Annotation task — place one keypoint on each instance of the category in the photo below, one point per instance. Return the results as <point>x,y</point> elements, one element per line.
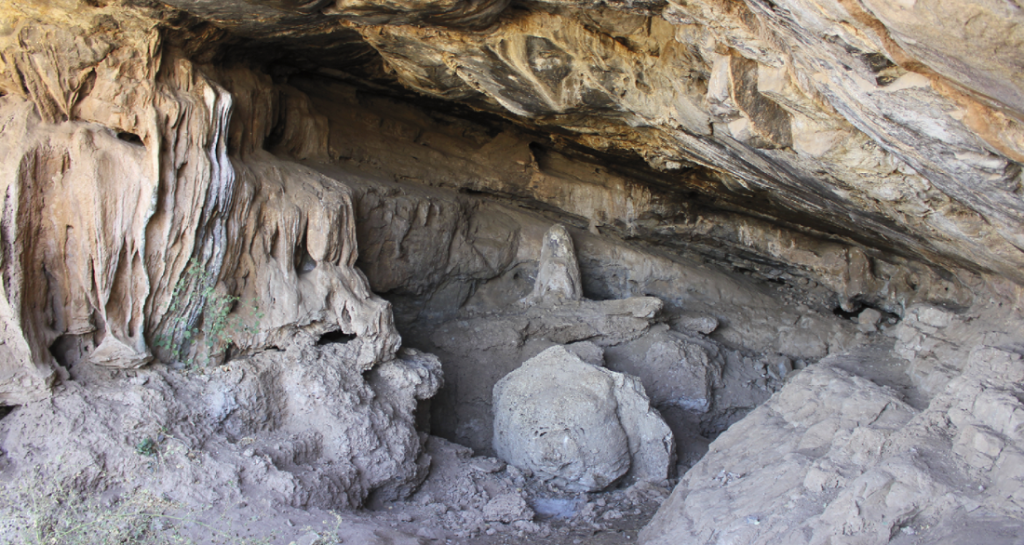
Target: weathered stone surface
<point>835,457</point>
<point>273,425</point>
<point>701,91</point>
<point>579,424</point>
<point>715,81</point>
<point>729,101</point>
<point>119,180</point>
<point>682,373</point>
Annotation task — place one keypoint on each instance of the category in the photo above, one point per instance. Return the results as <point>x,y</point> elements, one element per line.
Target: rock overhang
<point>820,118</point>
<point>797,143</point>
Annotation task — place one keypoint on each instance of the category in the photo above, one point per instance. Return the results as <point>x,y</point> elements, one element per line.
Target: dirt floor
<point>464,501</point>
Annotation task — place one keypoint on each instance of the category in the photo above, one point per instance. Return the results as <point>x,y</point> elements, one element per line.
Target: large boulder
<point>578,424</point>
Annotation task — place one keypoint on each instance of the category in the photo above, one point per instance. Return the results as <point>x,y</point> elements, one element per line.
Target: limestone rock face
<point>823,107</point>
<point>579,424</point>
<point>127,216</point>
<point>177,188</point>
<point>836,457</point>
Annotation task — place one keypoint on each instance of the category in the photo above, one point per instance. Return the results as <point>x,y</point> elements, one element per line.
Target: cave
<point>496,271</point>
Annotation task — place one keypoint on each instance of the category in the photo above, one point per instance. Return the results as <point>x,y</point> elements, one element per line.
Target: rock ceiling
<point>897,126</point>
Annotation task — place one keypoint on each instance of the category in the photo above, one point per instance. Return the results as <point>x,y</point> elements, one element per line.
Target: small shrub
<point>213,320</point>
<point>146,447</point>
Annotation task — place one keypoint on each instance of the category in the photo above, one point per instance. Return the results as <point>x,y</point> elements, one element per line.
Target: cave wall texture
<point>867,150</point>
<point>754,164</point>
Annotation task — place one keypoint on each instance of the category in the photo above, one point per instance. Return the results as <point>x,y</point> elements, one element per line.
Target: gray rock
<point>588,352</point>
<point>867,320</point>
<point>558,275</point>
<point>507,508</point>
<point>700,324</point>
<point>310,538</point>
<point>582,426</point>
<point>680,374</point>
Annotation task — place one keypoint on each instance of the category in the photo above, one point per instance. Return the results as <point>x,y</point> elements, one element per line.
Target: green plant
<point>197,290</point>
<point>146,447</point>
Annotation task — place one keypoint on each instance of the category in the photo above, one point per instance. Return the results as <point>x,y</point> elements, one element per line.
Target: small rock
<point>486,464</point>
<point>311,538</point>
<point>700,324</point>
<point>427,532</point>
<point>612,514</point>
<point>588,352</point>
<point>507,508</point>
<point>782,365</point>
<point>867,320</point>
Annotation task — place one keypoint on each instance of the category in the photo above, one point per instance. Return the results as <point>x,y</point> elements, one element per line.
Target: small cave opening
<point>335,337</point>
<point>129,137</point>
<point>304,263</point>
<point>69,349</point>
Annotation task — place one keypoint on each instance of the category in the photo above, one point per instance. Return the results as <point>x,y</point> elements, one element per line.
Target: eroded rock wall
<point>755,165</point>
<point>120,185</point>
<point>142,222</point>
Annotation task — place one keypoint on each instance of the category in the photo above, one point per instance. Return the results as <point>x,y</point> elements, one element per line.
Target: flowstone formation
<point>242,241</point>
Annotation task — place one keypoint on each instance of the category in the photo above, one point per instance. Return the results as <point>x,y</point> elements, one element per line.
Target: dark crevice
<point>68,349</point>
<point>335,337</point>
<point>129,137</point>
<point>877,62</point>
<point>849,315</point>
<point>304,262</point>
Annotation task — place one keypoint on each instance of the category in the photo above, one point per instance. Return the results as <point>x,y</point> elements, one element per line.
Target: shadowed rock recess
<point>495,271</point>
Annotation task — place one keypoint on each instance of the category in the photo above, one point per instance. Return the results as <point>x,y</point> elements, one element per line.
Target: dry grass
<point>38,511</point>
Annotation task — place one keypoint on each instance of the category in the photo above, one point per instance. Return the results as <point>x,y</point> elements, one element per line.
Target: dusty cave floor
<point>451,508</point>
